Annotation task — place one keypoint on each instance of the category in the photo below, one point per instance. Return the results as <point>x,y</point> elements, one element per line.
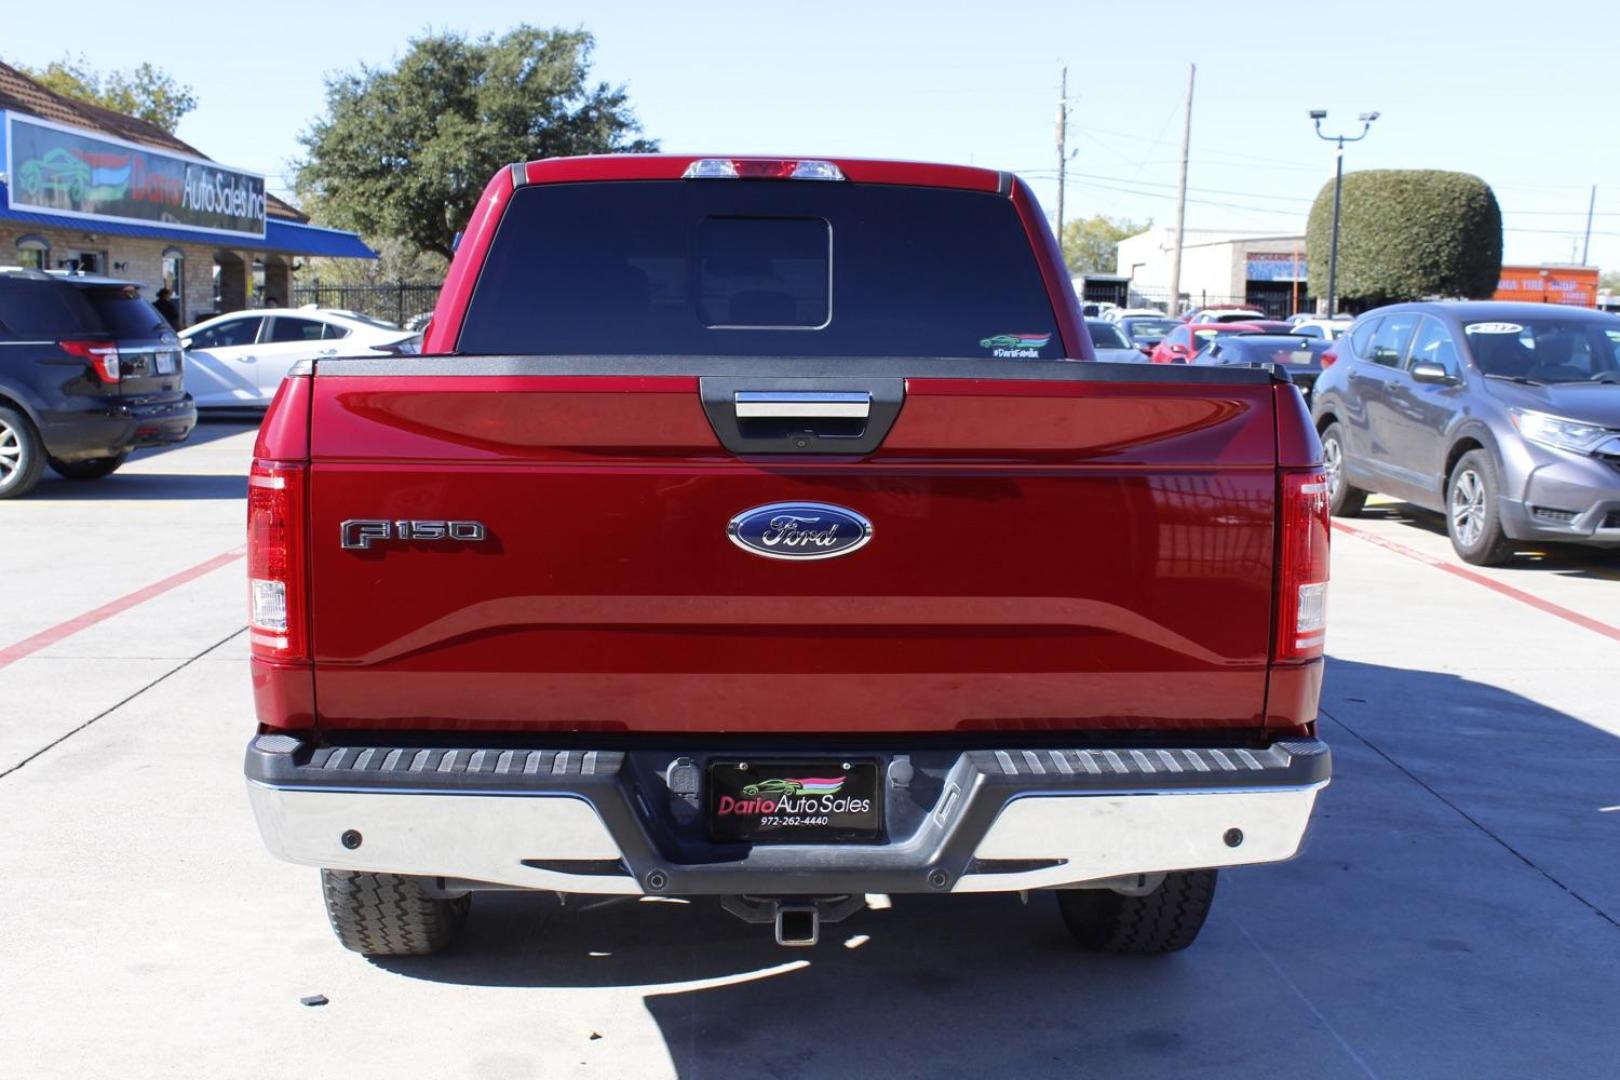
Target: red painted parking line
<point>1584,621</point>
<point>51,635</point>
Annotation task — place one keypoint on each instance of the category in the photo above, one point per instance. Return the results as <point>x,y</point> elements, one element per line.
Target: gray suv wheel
<point>1343,500</point>
<point>1473,511</point>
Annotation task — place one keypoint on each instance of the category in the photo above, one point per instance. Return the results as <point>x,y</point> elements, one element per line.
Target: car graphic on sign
<point>58,170</point>
<point>809,785</point>
<point>1015,341</point>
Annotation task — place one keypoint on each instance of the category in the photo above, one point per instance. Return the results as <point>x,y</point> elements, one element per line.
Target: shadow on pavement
<point>121,487</point>
<point>208,429</point>
<point>1565,560</point>
<point>1449,879</point>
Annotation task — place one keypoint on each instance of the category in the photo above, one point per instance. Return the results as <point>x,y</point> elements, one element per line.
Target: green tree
<point>146,92</point>
<point>1609,282</point>
<point>406,151</point>
<point>397,260</point>
<point>1405,234</point>
<point>1089,243</point>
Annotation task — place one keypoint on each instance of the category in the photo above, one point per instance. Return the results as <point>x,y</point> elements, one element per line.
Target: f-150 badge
<point>795,530</point>
<point>358,534</point>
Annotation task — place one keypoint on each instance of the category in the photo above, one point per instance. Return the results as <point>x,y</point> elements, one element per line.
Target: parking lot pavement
<point>1454,913</point>
<point>110,585</point>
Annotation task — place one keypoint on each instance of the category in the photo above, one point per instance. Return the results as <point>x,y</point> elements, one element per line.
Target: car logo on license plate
<point>799,530</point>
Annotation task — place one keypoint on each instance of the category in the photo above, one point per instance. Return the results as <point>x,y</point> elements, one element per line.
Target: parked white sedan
<point>238,360</point>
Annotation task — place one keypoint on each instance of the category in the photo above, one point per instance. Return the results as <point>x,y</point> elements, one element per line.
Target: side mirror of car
<point>1428,372</point>
<point>185,343</point>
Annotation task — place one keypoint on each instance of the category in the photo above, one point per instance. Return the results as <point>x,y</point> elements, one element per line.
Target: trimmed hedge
<point>1405,234</point>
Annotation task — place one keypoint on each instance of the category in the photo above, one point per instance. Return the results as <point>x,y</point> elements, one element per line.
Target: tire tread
<point>388,914</point>
<point>1166,920</point>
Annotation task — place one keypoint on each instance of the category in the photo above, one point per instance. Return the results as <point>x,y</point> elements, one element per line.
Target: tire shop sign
<point>55,169</point>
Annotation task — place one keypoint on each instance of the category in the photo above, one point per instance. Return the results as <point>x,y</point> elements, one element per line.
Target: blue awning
<point>296,239</point>
<point>286,237</point>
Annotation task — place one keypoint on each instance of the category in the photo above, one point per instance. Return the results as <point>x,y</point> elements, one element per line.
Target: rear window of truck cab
<point>746,267</point>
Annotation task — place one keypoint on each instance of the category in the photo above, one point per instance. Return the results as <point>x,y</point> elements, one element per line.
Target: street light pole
<point>1318,115</point>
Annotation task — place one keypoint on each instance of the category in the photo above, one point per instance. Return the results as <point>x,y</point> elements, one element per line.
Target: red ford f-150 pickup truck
<point>763,530</point>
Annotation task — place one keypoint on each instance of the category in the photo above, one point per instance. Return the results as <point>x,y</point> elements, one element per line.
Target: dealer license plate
<point>794,802</point>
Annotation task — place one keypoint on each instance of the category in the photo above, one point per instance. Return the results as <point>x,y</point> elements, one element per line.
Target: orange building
<point>1574,285</point>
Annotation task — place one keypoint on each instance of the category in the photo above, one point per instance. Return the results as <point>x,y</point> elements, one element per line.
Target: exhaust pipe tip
<point>798,925</point>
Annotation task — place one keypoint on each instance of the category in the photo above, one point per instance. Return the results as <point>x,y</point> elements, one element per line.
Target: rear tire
<point>1343,500</point>
<point>90,468</point>
<point>389,915</point>
<point>1166,920</point>
<point>22,454</point>
<point>1474,511</point>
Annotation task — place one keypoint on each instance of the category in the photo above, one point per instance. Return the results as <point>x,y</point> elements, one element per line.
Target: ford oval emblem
<point>799,530</point>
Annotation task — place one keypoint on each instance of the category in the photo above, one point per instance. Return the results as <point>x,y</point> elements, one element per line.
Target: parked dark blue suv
<point>88,372</point>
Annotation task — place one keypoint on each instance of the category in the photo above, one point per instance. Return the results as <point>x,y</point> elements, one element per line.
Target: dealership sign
<point>1275,266</point>
<point>54,169</point>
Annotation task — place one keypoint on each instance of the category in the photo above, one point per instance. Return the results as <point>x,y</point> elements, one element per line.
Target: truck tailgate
<point>1050,549</point>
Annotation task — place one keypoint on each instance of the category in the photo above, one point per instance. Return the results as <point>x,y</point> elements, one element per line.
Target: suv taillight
<point>102,356</point>
<point>275,560</point>
<point>1302,571</point>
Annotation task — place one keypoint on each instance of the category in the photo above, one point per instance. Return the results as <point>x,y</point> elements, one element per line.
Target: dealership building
<point>1266,271</point>
<point>84,188</point>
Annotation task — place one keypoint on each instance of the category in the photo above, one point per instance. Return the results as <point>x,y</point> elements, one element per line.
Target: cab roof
<point>674,166</point>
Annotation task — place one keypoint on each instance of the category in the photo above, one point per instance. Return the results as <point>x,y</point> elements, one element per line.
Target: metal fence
<point>397,301</point>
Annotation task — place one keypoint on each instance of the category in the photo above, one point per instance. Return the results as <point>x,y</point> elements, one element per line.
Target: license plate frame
<point>794,800</point>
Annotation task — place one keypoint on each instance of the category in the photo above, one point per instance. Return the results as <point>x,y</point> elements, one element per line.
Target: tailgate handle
<point>840,412</point>
<point>808,404</point>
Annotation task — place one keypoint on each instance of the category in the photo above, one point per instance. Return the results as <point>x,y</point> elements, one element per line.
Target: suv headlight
<point>1577,435</point>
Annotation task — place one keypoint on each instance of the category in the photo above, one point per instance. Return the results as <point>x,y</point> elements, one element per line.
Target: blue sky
<point>1520,94</point>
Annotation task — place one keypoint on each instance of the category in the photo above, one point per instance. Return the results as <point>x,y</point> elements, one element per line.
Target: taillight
<point>1328,358</point>
<point>1302,572</point>
<point>761,169</point>
<point>276,610</point>
<point>102,357</point>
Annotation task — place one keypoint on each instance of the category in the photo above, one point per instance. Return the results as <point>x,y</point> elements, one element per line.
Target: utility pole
<point>1174,306</point>
<point>1062,145</point>
<point>1586,248</point>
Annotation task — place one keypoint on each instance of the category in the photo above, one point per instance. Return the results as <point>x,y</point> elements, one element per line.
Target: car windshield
<point>1547,350</point>
<point>1107,336</point>
<point>1272,349</point>
<point>1146,328</point>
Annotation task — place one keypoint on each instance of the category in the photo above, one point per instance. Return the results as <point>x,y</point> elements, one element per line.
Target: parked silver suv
<point>1504,417</point>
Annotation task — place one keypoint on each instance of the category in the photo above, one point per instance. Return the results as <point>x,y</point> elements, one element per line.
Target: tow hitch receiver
<point>797,919</point>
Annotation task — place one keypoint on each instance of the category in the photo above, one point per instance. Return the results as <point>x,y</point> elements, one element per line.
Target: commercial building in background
<point>1266,271</point>
<point>88,189</point>
<point>1576,286</point>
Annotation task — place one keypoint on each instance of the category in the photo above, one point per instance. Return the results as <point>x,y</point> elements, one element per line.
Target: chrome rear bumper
<point>603,821</point>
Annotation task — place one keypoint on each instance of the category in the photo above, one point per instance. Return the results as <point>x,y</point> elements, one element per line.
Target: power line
<point>1134,187</point>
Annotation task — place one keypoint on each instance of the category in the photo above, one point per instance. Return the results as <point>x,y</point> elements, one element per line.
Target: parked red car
<point>1183,343</point>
